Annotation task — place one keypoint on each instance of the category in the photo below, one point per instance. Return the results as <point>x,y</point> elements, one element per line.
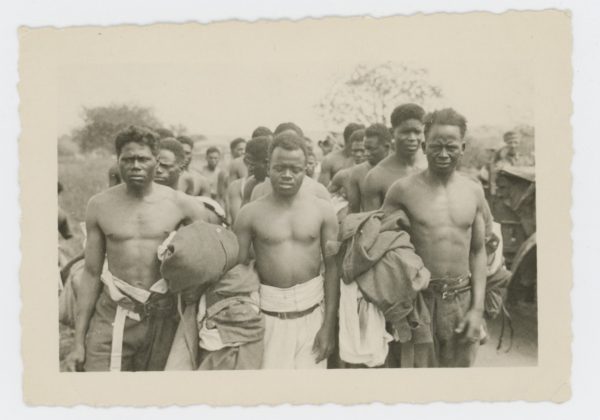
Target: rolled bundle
<point>198,255</point>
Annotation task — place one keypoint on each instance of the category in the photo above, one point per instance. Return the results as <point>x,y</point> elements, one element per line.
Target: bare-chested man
<point>340,181</point>
<point>126,318</point>
<point>291,232</point>
<point>377,147</point>
<point>236,169</point>
<point>211,170</point>
<point>338,159</point>
<point>447,228</point>
<point>170,161</point>
<point>407,124</point>
<point>191,182</point>
<point>255,159</point>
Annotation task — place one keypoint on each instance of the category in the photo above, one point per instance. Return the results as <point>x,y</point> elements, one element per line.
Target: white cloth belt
<point>116,289</point>
<point>292,299</point>
<point>363,337</point>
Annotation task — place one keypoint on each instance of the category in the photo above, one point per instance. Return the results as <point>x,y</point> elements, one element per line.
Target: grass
<point>81,178</point>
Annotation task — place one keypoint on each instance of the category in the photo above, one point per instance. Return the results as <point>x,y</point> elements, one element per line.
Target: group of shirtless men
<point>285,222</point>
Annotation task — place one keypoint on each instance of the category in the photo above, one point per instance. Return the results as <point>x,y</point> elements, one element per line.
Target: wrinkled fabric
<point>387,271</point>
<point>289,342</point>
<point>363,338</point>
<point>292,299</point>
<point>242,357</point>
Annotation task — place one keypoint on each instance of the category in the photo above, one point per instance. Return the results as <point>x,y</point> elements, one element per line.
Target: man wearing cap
<point>291,233</point>
<point>125,313</point>
<point>509,154</point>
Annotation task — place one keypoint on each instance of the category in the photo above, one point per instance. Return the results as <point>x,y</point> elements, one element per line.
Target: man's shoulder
<point>361,170</point>
<point>468,182</point>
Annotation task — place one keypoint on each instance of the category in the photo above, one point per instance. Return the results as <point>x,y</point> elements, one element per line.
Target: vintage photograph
<point>279,214</point>
<point>337,201</point>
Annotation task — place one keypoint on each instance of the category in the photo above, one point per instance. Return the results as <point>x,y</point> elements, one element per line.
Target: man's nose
<point>136,164</point>
<point>443,153</point>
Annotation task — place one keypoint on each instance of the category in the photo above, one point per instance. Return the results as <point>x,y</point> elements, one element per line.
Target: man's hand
<point>470,326</point>
<point>324,343</point>
<point>75,359</point>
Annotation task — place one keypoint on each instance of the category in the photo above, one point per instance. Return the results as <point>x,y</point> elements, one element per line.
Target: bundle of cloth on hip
<point>381,280</point>
<point>221,326</point>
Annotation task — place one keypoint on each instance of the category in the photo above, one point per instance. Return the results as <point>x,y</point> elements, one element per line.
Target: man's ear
<point>424,146</point>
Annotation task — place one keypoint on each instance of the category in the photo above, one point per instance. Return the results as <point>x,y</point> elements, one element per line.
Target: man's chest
<point>143,222</point>
<point>300,225</point>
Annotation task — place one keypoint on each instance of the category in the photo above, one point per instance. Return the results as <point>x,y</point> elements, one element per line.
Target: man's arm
<point>222,183</point>
<point>325,340</point>
<point>91,286</point>
<point>353,192</point>
<point>393,199</point>
<point>325,175</point>
<point>471,324</point>
<point>234,200</point>
<point>371,199</point>
<point>337,183</point>
<point>243,231</point>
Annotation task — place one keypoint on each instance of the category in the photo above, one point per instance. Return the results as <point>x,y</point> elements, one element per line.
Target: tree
<point>101,125</point>
<point>371,93</point>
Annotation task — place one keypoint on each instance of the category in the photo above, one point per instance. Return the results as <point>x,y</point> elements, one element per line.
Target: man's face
<point>444,147</point>
<point>238,150</point>
<point>256,167</point>
<point>187,153</point>
<point>311,163</point>
<point>358,151</point>
<point>212,160</point>
<point>167,170</point>
<point>137,165</point>
<point>375,151</point>
<point>286,171</point>
<point>512,144</point>
<point>408,136</point>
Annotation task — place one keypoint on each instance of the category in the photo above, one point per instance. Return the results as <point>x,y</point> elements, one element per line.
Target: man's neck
<point>440,178</point>
<point>139,192</point>
<point>405,159</point>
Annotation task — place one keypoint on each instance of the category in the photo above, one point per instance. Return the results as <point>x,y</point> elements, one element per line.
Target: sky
<point>224,80</point>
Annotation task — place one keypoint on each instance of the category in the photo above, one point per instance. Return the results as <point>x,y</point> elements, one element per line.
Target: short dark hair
<point>234,143</point>
<point>406,112</point>
<point>258,147</point>
<point>137,134</point>
<point>358,135</point>
<point>284,126</point>
<point>174,146</point>
<point>351,128</point>
<point>510,134</point>
<point>212,149</point>
<point>383,134</point>
<point>261,131</point>
<point>186,140</point>
<point>288,141</point>
<point>446,116</point>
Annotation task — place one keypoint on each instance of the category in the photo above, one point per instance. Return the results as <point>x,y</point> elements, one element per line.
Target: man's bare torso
<point>441,218</point>
<point>133,229</point>
<point>287,239</point>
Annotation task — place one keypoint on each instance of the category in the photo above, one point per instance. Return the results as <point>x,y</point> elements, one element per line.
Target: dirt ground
<point>524,350</point>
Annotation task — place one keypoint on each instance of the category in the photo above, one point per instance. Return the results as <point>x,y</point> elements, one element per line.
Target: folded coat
<point>379,257</point>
